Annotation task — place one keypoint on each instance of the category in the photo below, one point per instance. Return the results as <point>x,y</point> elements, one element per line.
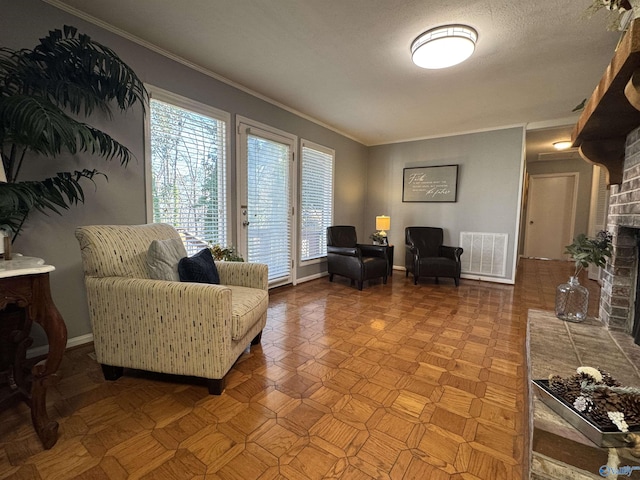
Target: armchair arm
<point>151,324</point>
<point>412,249</point>
<point>453,253</point>
<point>348,251</point>
<point>373,250</point>
<point>244,274</point>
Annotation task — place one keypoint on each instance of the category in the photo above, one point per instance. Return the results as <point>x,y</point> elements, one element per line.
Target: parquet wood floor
<point>395,381</point>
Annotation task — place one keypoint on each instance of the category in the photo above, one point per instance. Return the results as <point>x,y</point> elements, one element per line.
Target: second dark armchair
<point>346,257</point>
<point>427,257</point>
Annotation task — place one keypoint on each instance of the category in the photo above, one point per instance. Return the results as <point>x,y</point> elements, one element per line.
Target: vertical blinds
<point>316,202</point>
<point>188,174</point>
<point>268,190</point>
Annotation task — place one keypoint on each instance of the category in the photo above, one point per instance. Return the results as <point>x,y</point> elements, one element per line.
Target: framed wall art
<point>430,184</point>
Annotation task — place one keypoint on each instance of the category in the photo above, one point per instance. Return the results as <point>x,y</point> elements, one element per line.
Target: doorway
<point>551,212</point>
<point>265,198</point>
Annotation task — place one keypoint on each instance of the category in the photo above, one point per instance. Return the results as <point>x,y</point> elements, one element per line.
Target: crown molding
<point>165,53</point>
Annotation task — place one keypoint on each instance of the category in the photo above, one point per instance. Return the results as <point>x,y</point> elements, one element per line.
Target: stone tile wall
<point>619,277</point>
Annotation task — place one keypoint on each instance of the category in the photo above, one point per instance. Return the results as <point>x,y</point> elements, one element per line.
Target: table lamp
<point>383,223</point>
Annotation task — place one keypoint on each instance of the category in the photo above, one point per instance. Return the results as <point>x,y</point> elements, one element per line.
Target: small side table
<point>25,297</point>
<point>390,259</point>
<point>389,249</point>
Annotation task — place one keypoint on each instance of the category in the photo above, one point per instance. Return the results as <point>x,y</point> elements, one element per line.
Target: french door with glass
<point>265,198</point>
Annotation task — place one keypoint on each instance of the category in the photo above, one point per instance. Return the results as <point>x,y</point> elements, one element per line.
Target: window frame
<point>327,151</point>
<point>156,93</point>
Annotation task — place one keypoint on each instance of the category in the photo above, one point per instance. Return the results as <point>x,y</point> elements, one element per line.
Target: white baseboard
<point>487,279</point>
<point>472,277</point>
<point>311,277</point>
<point>88,338</point>
<point>325,274</point>
<point>72,342</point>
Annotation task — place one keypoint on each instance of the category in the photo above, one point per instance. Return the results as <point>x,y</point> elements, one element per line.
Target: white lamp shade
<point>444,46</point>
<point>383,222</point>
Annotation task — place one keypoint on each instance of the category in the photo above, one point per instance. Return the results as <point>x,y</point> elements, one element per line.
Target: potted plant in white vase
<point>572,299</point>
<point>621,12</point>
<point>379,238</point>
<point>46,94</point>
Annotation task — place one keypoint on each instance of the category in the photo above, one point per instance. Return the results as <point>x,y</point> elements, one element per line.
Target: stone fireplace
<point>608,134</point>
<point>619,279</point>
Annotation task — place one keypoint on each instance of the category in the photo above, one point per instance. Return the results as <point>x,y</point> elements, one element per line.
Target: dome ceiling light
<point>444,46</point>
<point>562,145</point>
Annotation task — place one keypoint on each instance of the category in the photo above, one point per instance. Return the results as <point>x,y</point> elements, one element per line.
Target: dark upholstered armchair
<point>427,257</point>
<point>350,259</point>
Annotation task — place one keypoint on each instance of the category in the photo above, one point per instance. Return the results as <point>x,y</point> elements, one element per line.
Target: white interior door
<point>265,176</point>
<point>551,211</point>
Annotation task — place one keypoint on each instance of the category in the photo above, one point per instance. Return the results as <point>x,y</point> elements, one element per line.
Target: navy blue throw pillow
<point>200,268</point>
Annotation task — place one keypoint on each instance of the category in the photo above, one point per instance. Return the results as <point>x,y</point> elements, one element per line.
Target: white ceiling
<point>346,63</point>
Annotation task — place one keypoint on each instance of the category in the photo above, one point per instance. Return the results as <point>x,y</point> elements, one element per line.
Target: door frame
<point>278,135</point>
<point>574,204</point>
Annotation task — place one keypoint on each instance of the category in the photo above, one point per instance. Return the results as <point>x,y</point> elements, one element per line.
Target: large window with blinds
<point>316,200</point>
<point>188,162</point>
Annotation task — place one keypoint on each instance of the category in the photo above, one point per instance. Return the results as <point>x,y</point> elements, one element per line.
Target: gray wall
<point>368,181</point>
<point>121,200</point>
<point>489,172</point>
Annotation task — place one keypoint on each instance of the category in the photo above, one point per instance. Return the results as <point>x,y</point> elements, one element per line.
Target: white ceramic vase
<point>635,8</point>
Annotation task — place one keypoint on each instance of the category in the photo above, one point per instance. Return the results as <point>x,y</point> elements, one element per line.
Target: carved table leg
<point>44,372</point>
<point>31,295</point>
<point>46,429</point>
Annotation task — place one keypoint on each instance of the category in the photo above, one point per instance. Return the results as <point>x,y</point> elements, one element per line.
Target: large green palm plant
<point>45,93</point>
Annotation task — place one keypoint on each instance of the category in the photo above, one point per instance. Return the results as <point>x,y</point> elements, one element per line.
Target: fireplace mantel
<point>613,109</point>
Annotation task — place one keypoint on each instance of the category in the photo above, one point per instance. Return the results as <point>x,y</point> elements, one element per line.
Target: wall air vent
<point>484,253</point>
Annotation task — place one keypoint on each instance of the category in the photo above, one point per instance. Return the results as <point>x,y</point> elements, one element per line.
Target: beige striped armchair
<point>181,328</point>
